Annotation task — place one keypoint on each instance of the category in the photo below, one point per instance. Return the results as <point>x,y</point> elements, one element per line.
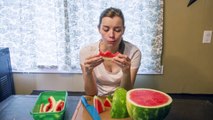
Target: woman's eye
<point>117,30</point>
<point>106,29</point>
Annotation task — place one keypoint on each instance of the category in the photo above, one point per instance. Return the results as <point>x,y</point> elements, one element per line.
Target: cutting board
<point>82,114</point>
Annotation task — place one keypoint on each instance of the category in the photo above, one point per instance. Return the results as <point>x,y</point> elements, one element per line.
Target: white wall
<point>25,83</point>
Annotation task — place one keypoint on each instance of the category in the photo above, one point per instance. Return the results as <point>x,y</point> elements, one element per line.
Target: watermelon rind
<point>140,112</point>
<point>110,97</point>
<point>119,109</point>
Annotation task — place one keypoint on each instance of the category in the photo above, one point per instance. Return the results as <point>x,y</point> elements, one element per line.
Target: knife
<point>91,109</point>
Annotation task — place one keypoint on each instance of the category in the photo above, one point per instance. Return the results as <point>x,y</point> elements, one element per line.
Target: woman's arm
<point>129,79</point>
<point>129,74</point>
<point>90,63</point>
<point>89,82</point>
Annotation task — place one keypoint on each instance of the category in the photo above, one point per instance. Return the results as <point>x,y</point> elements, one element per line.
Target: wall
<point>188,66</point>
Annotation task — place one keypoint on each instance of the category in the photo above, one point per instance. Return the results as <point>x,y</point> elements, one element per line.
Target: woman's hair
<point>111,12</point>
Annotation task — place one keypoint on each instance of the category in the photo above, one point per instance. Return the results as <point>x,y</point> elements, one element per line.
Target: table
<point>18,107</point>
<point>191,109</point>
<point>182,109</point>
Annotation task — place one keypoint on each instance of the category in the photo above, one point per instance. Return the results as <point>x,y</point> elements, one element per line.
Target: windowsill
<point>71,72</point>
<point>75,71</point>
<point>47,72</point>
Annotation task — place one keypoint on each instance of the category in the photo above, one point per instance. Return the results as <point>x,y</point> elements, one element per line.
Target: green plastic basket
<point>43,98</point>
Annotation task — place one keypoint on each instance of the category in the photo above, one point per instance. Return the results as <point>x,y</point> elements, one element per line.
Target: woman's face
<point>111,30</point>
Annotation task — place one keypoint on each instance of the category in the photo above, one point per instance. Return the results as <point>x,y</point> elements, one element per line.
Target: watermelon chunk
<point>107,103</point>
<point>148,104</point>
<point>98,104</point>
<point>50,105</point>
<point>59,106</point>
<point>119,109</point>
<point>108,55</point>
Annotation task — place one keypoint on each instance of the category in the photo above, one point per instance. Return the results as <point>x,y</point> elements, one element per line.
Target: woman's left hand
<point>123,61</point>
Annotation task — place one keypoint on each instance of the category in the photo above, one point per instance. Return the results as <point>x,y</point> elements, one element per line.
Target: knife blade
<point>91,109</point>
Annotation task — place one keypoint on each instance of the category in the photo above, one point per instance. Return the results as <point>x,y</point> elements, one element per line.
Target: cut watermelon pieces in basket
<point>59,106</point>
<point>50,105</point>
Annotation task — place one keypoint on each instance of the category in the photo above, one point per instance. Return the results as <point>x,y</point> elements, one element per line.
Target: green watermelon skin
<point>119,109</point>
<point>147,113</point>
<point>139,113</point>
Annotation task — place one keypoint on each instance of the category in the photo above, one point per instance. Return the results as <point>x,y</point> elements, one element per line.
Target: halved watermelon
<point>98,104</point>
<point>148,104</point>
<point>108,55</point>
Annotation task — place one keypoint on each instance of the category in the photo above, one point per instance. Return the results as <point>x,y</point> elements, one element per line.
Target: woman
<point>102,77</point>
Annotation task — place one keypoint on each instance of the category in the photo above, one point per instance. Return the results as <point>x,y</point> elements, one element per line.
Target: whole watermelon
<point>148,104</point>
<point>119,109</point>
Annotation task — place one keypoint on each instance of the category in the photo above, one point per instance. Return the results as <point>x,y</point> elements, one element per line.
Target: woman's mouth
<point>111,42</point>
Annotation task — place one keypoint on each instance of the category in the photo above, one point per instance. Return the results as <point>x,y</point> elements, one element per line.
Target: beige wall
<point>188,63</point>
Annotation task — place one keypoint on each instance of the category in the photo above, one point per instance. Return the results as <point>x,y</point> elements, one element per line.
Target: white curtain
<point>46,35</point>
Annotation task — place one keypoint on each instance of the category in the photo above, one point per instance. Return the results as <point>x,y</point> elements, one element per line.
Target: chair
<point>6,77</point>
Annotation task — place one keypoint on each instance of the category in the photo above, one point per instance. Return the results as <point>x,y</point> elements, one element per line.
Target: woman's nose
<point>111,33</point>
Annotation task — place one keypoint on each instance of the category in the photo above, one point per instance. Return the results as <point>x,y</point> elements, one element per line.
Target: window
<point>46,35</point>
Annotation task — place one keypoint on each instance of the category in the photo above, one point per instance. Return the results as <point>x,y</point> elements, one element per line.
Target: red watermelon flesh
<point>107,103</point>
<point>148,104</point>
<point>50,105</point>
<point>108,54</point>
<point>148,98</point>
<point>59,106</point>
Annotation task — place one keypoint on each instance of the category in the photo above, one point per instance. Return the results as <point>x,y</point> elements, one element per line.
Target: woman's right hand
<point>91,62</point>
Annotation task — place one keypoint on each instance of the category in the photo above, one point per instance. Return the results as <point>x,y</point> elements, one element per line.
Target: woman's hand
<point>91,62</point>
<point>123,61</point>
<point>87,68</point>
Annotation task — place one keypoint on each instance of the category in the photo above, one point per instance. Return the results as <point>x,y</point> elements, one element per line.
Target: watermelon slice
<point>147,104</point>
<point>108,55</point>
<point>98,104</point>
<point>59,106</point>
<point>119,109</point>
<point>107,103</point>
<point>50,105</point>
